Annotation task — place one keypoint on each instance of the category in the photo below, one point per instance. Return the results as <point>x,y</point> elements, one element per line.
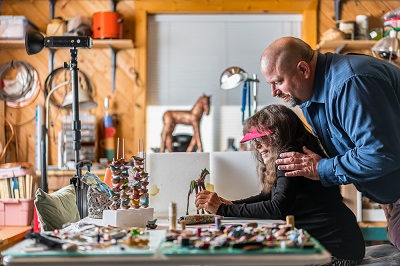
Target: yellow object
<point>172,216</point>
<point>290,220</point>
<point>183,225</point>
<point>56,27</point>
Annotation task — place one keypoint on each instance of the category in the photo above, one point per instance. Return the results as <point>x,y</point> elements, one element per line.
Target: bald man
<point>352,103</point>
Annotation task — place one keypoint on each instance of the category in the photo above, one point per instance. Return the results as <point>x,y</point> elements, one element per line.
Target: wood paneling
<point>96,63</point>
<point>128,102</point>
<point>351,8</point>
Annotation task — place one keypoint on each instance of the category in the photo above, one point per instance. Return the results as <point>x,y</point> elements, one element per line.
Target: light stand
<point>76,134</point>
<point>34,43</point>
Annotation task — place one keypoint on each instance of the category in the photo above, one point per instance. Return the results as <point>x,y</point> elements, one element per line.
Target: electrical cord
<point>49,83</point>
<point>9,140</point>
<point>26,86</point>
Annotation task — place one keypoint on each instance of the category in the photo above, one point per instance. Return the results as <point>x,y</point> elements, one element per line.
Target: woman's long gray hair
<point>288,131</point>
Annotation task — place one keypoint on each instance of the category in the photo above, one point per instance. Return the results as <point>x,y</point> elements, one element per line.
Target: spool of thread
<point>183,224</point>
<point>172,216</point>
<point>290,220</point>
<point>218,222</point>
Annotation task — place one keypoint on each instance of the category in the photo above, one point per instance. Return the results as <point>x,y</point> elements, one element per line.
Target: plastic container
<point>16,212</point>
<point>107,25</point>
<point>14,27</point>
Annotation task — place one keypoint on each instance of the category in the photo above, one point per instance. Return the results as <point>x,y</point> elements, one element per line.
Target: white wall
<point>188,53</point>
<point>232,175</point>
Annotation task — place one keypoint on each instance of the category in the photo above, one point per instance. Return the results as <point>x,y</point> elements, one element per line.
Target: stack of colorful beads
<point>120,183</point>
<point>139,196</point>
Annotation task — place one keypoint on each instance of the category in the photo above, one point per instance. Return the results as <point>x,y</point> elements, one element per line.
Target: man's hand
<point>299,164</point>
<point>208,200</point>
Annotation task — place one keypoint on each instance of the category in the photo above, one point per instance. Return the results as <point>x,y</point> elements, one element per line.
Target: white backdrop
<point>188,53</point>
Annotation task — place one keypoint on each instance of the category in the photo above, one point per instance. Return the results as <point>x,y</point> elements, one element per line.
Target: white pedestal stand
<point>128,218</point>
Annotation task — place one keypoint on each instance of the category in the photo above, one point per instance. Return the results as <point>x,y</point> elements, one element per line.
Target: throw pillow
<point>57,208</point>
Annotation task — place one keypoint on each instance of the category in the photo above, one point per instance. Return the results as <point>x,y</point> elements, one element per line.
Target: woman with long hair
<point>318,210</point>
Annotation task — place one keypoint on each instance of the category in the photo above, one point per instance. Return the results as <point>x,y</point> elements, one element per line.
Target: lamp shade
<point>86,101</point>
<point>34,42</point>
<point>388,47</point>
<point>232,77</point>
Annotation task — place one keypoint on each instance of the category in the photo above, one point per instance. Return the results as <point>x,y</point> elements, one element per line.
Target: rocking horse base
<point>128,218</point>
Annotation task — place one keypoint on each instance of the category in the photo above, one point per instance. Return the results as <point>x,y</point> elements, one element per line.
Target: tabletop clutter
<point>128,193</point>
<point>83,236</point>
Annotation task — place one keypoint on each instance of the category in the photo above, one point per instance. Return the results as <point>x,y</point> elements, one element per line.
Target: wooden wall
<point>96,63</point>
<point>129,100</point>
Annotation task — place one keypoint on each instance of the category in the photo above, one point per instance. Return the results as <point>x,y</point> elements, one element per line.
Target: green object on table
<point>374,233</point>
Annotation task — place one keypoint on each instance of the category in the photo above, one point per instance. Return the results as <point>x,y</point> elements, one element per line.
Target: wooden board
<point>10,235</point>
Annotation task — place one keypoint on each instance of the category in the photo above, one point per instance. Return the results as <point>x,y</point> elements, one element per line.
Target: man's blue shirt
<point>355,112</point>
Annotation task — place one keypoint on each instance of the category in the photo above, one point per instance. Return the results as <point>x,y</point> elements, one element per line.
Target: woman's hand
<point>210,201</point>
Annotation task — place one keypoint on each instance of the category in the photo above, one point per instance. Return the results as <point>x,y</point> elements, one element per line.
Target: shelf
<point>114,44</point>
<point>117,44</point>
<point>97,44</point>
<point>339,45</point>
<point>12,44</point>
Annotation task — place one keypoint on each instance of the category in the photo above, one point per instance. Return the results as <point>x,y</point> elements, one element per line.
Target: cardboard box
<point>16,212</point>
<point>14,27</point>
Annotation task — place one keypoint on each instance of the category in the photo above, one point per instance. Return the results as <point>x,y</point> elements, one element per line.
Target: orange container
<point>107,25</point>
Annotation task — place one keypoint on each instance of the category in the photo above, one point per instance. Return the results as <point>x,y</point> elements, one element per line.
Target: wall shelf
<point>339,45</point>
<point>97,44</point>
<point>114,44</point>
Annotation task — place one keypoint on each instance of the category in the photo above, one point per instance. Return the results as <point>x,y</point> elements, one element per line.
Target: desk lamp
<point>388,47</point>
<point>232,78</point>
<point>34,43</point>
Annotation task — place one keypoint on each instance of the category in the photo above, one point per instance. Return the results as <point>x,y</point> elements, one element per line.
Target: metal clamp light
<point>234,77</point>
<point>34,43</point>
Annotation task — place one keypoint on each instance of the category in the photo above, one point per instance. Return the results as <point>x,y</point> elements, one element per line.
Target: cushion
<point>57,208</point>
<point>381,255</point>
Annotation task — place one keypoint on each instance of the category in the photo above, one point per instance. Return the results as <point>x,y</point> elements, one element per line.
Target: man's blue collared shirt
<point>355,112</point>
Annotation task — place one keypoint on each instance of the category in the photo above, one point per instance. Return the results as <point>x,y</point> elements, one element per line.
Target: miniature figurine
<point>197,185</point>
<point>152,224</point>
<point>172,118</point>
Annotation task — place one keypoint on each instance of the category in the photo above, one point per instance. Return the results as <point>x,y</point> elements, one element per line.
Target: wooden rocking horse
<point>193,117</point>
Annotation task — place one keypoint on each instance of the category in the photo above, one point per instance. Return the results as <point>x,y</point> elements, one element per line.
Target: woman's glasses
<point>256,141</point>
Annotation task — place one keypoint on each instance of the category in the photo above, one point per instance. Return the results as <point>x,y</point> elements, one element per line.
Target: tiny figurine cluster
<point>126,194</point>
<point>244,237</point>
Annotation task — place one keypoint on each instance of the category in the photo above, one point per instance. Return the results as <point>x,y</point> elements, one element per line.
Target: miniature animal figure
<point>193,117</point>
<point>197,185</point>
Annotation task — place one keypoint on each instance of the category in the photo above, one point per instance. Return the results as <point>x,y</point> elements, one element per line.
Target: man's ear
<point>304,69</point>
